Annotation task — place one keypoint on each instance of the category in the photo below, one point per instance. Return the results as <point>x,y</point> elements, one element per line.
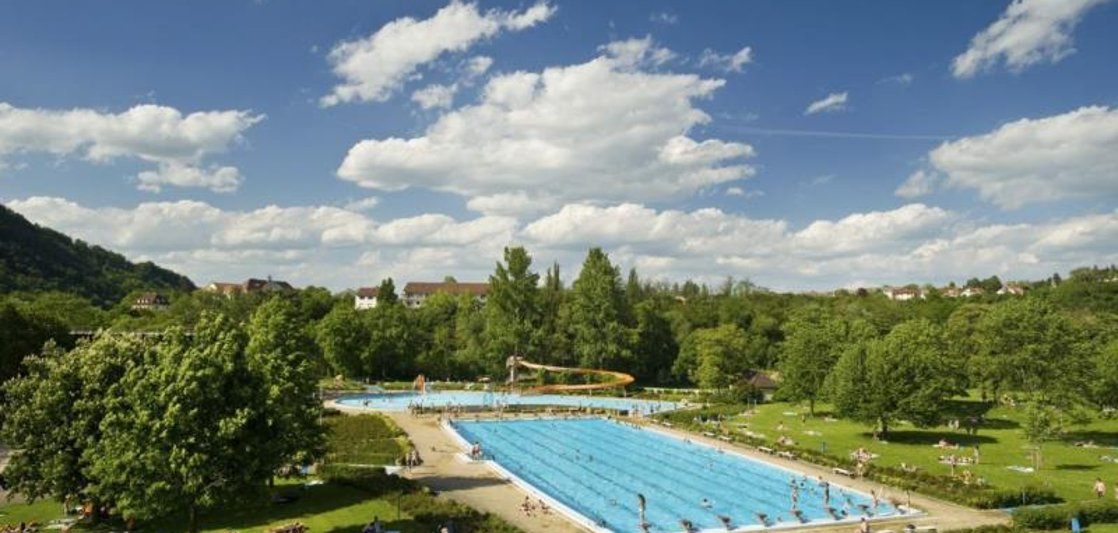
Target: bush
<point>1000,528</point>
<point>365,439</point>
<point>1059,516</point>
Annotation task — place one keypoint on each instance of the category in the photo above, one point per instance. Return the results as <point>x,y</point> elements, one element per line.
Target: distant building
<point>250,285</point>
<point>416,292</point>
<point>366,298</point>
<point>972,291</point>
<point>951,292</point>
<point>150,301</point>
<point>1012,289</point>
<point>902,294</point>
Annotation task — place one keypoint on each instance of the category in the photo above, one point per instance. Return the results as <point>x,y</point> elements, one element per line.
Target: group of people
<point>412,460</point>
<point>23,527</point>
<point>529,508</point>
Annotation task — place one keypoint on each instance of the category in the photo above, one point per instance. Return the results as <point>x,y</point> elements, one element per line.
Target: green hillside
<point>34,258</point>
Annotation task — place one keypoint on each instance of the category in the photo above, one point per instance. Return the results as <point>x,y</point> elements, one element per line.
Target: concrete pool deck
<point>478,486</point>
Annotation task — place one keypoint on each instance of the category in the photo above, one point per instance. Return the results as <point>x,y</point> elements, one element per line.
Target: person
<point>864,526</point>
<point>705,503</point>
<point>977,455</point>
<point>1100,488</point>
<point>641,504</point>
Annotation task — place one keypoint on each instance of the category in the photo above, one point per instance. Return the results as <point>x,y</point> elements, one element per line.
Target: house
<point>224,289</point>
<point>902,294</point>
<point>951,292</point>
<point>1011,289</point>
<point>366,298</point>
<point>150,301</point>
<point>972,291</point>
<point>250,285</point>
<point>416,292</point>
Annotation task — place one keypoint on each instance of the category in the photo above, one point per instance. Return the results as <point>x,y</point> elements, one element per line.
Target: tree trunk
<point>811,406</point>
<point>884,428</point>
<point>193,518</point>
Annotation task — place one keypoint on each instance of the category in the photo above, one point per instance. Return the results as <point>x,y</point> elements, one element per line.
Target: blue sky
<point>804,145</point>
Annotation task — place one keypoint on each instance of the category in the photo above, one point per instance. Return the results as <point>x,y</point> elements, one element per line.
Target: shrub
<point>1000,528</point>
<point>1058,516</point>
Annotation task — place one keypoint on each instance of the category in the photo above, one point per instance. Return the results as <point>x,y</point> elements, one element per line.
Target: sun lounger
<point>842,471</point>
<point>786,455</point>
<point>765,449</point>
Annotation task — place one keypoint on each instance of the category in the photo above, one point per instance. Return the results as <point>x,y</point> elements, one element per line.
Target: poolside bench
<point>708,434</point>
<point>765,449</point>
<point>786,455</point>
<point>842,471</point>
<point>725,438</point>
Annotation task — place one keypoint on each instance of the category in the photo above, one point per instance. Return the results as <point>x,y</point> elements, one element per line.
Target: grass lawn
<point>1068,470</point>
<point>325,508</point>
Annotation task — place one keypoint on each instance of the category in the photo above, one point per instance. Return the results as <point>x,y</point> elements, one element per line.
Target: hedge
<point>1059,516</point>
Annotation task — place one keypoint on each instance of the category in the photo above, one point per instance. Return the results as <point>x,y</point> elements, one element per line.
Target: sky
<point>804,145</point>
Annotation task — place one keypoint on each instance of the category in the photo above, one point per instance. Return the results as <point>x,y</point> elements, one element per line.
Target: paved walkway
<point>479,487</point>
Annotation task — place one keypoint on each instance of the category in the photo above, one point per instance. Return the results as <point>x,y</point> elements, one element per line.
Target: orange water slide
<point>620,379</point>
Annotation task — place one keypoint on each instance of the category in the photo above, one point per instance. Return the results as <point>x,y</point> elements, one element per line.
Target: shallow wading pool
<point>595,468</point>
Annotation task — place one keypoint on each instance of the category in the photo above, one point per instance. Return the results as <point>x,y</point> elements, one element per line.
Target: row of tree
<point>176,423</point>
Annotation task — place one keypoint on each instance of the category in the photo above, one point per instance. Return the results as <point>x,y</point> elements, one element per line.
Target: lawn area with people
<point>989,445</point>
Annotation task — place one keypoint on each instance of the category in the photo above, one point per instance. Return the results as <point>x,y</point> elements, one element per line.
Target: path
<point>479,487</point>
<point>471,484</point>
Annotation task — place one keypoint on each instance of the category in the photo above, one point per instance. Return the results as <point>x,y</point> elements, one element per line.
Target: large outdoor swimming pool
<point>399,401</point>
<point>597,467</point>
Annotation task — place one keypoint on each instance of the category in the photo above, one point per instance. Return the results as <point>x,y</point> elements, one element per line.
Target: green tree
<point>389,351</point>
<point>435,323</point>
<point>342,338</point>
<point>656,349</point>
<point>714,358</point>
<point>512,305</point>
<point>279,353</point>
<point>22,335</point>
<point>601,339</point>
<point>1104,386</point>
<point>386,293</point>
<point>812,345</point>
<point>186,429</point>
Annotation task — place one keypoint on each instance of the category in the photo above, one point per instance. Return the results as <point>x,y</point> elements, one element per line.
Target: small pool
<point>596,468</point>
<point>399,401</point>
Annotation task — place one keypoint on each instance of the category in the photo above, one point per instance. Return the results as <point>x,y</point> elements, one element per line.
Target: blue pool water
<point>597,467</point>
<point>399,401</point>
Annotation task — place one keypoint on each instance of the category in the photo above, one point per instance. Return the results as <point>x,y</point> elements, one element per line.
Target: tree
<point>389,351</point>
<point>436,327</point>
<point>812,344</point>
<point>1043,423</point>
<point>512,305</point>
<point>187,432</point>
<point>1104,386</point>
<point>279,352</point>
<point>550,338</point>
<point>656,349</point>
<point>601,339</point>
<point>714,358</point>
<point>342,337</point>
<point>386,293</point>
<point>23,334</point>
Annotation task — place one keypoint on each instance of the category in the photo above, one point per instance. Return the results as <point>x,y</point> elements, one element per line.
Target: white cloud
<point>373,68</point>
<point>832,102</point>
<point>730,62</point>
<point>905,78</point>
<point>178,144</point>
<point>217,179</point>
<point>601,130</point>
<point>1027,33</point>
<point>1073,155</point>
<point>435,96</point>
<point>919,183</point>
<point>478,65</point>
<point>634,53</point>
<point>364,204</point>
<point>343,248</point>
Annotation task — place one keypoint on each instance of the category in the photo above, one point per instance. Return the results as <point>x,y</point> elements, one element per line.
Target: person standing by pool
<point>864,527</point>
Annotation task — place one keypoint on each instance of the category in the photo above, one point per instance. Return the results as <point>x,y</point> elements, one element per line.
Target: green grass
<point>41,511</point>
<point>1068,470</point>
<point>365,439</point>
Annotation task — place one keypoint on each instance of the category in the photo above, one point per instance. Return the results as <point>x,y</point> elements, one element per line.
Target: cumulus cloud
<point>729,62</point>
<point>435,96</point>
<point>603,130</point>
<point>633,53</point>
<point>905,78</point>
<point>1073,155</point>
<point>364,204</point>
<point>832,102</point>
<point>919,183</point>
<point>344,248</point>
<point>1029,32</point>
<point>177,143</point>
<point>663,17</point>
<point>373,68</point>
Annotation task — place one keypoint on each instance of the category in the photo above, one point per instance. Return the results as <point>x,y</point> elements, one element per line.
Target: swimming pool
<point>399,401</point>
<point>596,468</point>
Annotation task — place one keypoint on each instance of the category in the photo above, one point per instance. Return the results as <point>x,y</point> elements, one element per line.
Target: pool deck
<point>478,486</point>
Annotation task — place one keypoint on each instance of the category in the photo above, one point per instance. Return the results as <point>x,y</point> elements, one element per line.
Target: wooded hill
<point>34,258</point>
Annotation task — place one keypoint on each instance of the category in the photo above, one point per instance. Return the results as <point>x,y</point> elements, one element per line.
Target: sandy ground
<point>480,487</point>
